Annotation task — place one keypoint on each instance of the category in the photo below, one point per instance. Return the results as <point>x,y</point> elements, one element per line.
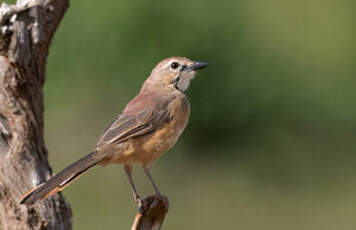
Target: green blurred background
<point>271,140</point>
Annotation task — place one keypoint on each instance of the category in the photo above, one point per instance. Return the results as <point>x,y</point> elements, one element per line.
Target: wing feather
<point>128,126</point>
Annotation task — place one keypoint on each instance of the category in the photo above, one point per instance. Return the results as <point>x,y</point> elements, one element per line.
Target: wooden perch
<point>153,217</point>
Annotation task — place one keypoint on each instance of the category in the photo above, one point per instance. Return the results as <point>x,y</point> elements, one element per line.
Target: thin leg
<point>147,170</point>
<point>128,170</point>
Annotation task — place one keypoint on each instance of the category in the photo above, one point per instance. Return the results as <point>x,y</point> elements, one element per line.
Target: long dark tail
<point>61,180</point>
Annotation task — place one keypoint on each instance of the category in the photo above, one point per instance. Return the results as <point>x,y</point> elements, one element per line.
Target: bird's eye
<point>174,65</point>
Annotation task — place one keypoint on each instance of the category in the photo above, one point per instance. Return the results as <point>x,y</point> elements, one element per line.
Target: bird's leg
<point>147,169</point>
<point>140,202</point>
<point>158,197</point>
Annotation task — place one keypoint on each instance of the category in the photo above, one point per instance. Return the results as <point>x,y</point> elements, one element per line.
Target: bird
<point>149,125</point>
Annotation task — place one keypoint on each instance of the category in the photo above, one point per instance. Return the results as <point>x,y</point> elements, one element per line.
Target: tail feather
<point>61,180</point>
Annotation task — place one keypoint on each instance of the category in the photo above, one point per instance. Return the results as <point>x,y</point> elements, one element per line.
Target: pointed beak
<point>198,65</point>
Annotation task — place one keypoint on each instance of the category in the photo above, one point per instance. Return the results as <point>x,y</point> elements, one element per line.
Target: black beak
<point>198,65</point>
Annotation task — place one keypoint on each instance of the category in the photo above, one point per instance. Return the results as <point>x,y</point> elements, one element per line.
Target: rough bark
<point>152,218</point>
<point>26,31</point>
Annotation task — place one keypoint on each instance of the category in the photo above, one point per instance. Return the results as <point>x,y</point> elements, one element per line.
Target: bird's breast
<point>154,145</point>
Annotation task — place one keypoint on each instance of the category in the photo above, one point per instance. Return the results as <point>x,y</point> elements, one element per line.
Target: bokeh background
<point>271,140</point>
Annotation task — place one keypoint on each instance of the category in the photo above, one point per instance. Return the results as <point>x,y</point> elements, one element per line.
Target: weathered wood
<point>26,31</point>
<point>153,217</point>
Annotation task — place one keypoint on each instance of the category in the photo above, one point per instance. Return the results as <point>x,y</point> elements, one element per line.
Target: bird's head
<point>174,73</point>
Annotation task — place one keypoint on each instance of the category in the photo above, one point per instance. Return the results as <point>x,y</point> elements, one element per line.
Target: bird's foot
<point>156,200</point>
<point>151,202</point>
<point>141,204</point>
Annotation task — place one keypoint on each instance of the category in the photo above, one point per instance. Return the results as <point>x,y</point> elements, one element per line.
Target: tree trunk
<point>26,31</point>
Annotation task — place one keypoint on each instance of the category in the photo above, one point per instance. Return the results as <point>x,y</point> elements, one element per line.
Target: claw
<point>157,200</point>
<point>154,203</point>
<point>141,204</point>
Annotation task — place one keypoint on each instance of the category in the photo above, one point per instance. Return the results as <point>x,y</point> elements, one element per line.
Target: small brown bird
<point>149,126</point>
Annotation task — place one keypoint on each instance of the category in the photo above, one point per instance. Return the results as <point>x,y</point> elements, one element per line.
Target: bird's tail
<point>61,180</point>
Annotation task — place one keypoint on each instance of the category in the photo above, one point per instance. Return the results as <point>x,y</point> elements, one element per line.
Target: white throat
<point>184,81</point>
